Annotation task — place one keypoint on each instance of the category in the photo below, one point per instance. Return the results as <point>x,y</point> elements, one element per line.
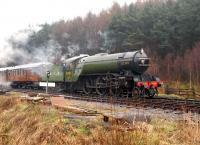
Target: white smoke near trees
<point>107,42</point>
<point>46,46</point>
<point>50,52</point>
<point>15,51</point>
<point>73,49</point>
<point>8,53</point>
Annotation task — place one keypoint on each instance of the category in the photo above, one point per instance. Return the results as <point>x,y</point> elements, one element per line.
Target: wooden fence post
<point>193,92</point>
<point>166,89</point>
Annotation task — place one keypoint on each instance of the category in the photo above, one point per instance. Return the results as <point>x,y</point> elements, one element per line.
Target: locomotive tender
<point>119,73</point>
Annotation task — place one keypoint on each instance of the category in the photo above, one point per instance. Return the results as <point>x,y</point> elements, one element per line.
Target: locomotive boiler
<point>136,62</point>
<point>117,74</point>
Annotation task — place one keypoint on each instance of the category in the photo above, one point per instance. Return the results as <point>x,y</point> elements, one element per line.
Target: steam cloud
<point>15,53</point>
<point>8,53</point>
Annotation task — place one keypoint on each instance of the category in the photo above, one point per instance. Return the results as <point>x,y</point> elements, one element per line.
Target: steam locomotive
<point>117,74</point>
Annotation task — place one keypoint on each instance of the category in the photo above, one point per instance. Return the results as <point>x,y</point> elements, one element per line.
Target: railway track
<point>184,105</point>
<point>165,103</point>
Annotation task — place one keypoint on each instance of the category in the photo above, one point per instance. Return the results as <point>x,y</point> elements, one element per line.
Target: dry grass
<point>26,124</point>
<point>189,131</point>
<point>7,102</point>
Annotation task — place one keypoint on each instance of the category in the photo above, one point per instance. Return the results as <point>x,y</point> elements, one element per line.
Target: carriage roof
<point>31,65</point>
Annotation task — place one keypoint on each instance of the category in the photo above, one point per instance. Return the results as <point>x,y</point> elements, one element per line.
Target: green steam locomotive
<point>117,74</point>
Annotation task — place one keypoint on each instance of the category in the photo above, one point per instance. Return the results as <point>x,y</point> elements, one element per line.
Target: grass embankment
<point>182,85</point>
<point>28,124</point>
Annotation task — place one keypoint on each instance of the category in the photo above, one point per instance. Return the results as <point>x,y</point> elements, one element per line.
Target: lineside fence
<point>183,92</point>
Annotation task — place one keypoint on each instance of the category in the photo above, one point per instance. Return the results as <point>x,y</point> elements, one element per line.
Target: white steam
<point>50,52</point>
<point>17,51</point>
<point>4,86</point>
<point>8,54</point>
<point>14,51</point>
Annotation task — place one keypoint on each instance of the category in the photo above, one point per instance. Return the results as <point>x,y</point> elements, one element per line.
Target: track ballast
<point>165,103</point>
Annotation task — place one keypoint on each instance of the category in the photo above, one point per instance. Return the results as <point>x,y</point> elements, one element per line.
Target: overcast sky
<point>16,15</point>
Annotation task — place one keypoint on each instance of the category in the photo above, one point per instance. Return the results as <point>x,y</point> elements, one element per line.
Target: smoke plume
<point>16,51</point>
